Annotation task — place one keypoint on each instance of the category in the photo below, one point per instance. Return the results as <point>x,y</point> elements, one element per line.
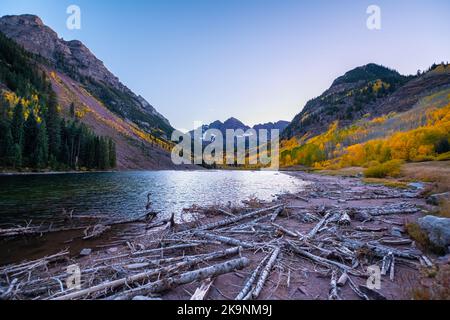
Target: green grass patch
<point>387,182</point>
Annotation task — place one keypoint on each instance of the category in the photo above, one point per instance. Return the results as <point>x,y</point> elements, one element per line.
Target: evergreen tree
<point>41,151</point>
<point>16,156</point>
<point>72,110</point>
<point>17,125</point>
<point>4,128</point>
<point>9,148</point>
<point>112,153</point>
<point>90,153</point>
<point>103,160</point>
<point>31,131</point>
<point>53,124</point>
<point>3,108</point>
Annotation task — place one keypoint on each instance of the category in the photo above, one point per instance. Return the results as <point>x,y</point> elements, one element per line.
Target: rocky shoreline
<point>317,244</point>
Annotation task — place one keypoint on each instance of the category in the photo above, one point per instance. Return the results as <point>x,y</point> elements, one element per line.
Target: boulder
<point>436,199</point>
<point>437,229</point>
<point>416,185</point>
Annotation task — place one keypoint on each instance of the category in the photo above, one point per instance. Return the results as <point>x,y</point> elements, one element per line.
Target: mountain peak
<point>24,19</point>
<point>233,121</point>
<point>366,73</point>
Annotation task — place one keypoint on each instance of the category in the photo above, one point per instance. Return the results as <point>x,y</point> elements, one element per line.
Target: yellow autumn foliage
<point>336,148</point>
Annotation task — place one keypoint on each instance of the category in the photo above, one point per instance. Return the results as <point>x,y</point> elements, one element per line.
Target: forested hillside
<point>32,132</point>
<point>382,142</point>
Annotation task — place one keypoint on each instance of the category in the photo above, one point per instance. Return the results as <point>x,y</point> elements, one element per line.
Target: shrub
<point>383,170</point>
<point>443,157</point>
<point>434,286</point>
<point>444,209</point>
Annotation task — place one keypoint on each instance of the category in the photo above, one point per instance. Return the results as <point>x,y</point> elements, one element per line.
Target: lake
<point>123,195</point>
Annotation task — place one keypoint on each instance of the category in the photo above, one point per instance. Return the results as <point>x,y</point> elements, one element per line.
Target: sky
<point>256,60</point>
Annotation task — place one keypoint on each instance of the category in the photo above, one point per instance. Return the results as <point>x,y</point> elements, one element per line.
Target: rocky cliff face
<point>30,32</point>
<point>76,60</point>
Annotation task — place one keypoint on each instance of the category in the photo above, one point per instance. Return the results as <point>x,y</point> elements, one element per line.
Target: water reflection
<point>124,194</point>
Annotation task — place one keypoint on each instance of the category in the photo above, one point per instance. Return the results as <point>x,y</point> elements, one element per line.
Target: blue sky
<point>256,60</point>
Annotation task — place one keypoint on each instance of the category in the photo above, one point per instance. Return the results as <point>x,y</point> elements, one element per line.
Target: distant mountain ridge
<point>235,124</point>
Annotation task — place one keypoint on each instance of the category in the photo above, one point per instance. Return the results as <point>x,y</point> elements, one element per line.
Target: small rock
<point>362,216</point>
<point>85,252</point>
<point>437,229</point>
<point>436,199</point>
<point>112,250</point>
<point>396,232</point>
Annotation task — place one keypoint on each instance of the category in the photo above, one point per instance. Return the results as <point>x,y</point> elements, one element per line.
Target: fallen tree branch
<point>320,260</point>
<point>229,221</point>
<point>223,239</point>
<point>144,275</point>
<point>265,273</point>
<point>318,226</point>
<point>187,277</point>
<point>249,283</point>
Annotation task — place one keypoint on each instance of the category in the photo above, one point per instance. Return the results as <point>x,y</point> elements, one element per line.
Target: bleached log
<point>276,213</point>
<point>17,231</point>
<point>229,221</point>
<point>387,263</point>
<point>285,230</point>
<point>356,290</point>
<point>342,279</point>
<point>427,261</point>
<point>157,250</point>
<point>302,198</point>
<point>320,260</point>
<point>134,266</point>
<point>265,273</point>
<point>379,250</point>
<point>145,275</point>
<point>96,231</point>
<point>226,213</point>
<point>392,271</point>
<point>187,277</point>
<point>247,289</point>
<point>334,291</point>
<point>8,291</point>
<point>29,265</point>
<point>370,229</point>
<point>201,292</point>
<point>226,240</point>
<point>396,242</point>
<point>319,225</point>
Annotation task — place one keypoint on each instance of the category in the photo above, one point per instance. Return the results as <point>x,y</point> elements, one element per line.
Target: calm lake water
<point>124,194</point>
